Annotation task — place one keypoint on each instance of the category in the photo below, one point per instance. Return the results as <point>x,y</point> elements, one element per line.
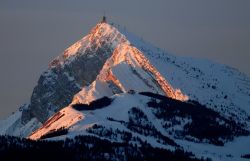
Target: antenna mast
<point>104,20</point>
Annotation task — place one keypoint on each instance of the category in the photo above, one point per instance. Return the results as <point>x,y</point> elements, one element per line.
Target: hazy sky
<point>33,32</point>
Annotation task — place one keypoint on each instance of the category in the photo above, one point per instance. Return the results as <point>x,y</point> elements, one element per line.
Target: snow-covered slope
<point>12,125</point>
<point>222,88</point>
<point>130,113</point>
<point>118,110</point>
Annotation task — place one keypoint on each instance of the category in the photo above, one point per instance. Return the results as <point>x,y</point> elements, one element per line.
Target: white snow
<point>6,123</point>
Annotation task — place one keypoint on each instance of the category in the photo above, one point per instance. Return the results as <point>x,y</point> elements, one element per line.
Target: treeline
<point>138,122</point>
<point>85,148</point>
<point>247,156</point>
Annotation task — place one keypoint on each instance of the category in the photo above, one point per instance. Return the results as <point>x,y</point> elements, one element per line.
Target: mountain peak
<point>102,33</point>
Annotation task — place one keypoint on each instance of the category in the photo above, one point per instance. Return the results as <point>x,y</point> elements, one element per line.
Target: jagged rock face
<point>49,96</point>
<point>67,74</point>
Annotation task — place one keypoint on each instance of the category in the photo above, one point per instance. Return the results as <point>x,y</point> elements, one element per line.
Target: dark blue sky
<point>33,32</point>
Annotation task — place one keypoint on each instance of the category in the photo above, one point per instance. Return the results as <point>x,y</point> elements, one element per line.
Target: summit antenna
<point>104,19</point>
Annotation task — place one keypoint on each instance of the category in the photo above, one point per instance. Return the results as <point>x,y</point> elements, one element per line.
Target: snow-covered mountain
<point>111,82</point>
